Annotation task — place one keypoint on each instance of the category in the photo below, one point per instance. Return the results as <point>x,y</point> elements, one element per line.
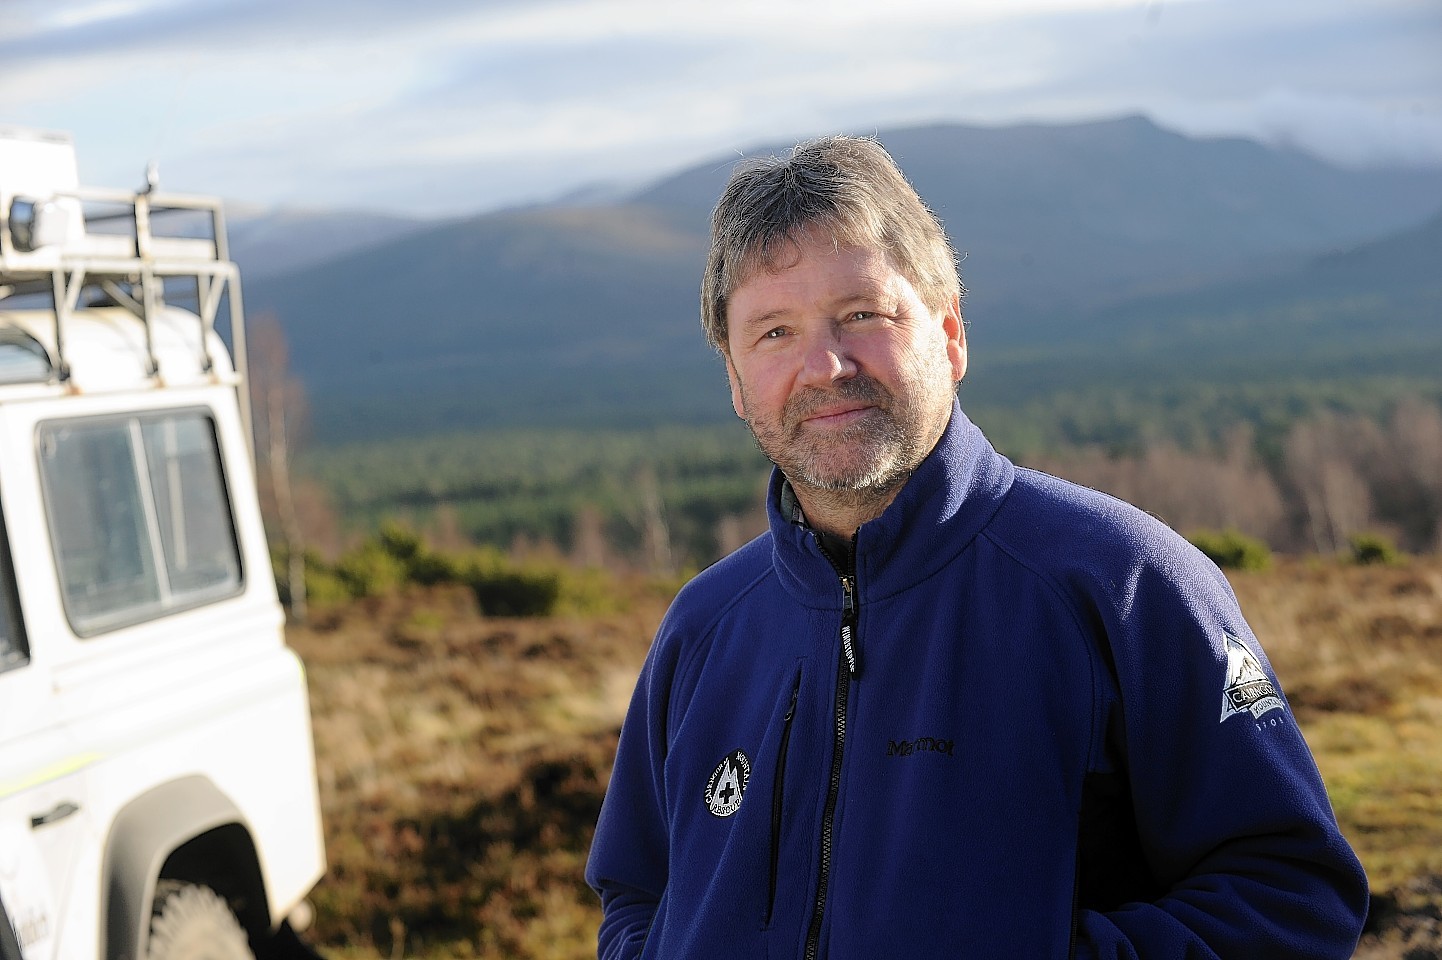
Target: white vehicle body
<point>154,728</point>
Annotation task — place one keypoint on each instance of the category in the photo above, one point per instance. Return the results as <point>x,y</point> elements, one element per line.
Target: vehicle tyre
<point>193,922</point>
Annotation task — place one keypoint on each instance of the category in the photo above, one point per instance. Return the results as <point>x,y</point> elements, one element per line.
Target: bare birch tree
<point>278,401</point>
<point>1329,460</point>
<point>1416,433</point>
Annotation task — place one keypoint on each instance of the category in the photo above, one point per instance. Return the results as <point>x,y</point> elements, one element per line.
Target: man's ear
<point>955,330</point>
<point>737,403</point>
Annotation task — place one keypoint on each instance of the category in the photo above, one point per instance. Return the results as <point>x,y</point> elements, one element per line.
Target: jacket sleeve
<point>1232,817</point>
<point>627,866</point>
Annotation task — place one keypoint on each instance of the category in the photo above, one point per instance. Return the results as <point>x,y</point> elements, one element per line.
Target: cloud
<point>1349,131</point>
<point>458,104</point>
<point>84,28</point>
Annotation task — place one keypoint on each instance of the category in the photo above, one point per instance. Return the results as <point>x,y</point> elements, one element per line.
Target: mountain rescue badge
<point>727,784</point>
<point>1249,689</point>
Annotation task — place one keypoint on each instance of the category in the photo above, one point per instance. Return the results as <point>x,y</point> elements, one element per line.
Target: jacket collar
<point>946,503</point>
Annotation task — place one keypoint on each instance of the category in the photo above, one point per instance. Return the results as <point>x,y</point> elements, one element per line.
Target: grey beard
<point>890,465</point>
<point>891,453</point>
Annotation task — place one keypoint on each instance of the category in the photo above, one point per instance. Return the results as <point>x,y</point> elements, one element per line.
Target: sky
<point>451,107</point>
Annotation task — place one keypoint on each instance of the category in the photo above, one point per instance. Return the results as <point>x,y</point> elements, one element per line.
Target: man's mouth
<point>837,416</point>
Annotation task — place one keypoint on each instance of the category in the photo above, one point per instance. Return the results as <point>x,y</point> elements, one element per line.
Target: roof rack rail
<point>60,239</point>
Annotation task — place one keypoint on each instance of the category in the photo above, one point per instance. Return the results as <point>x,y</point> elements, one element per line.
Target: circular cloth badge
<point>727,784</point>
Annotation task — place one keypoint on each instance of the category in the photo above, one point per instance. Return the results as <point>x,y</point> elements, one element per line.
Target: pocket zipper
<point>776,794</point>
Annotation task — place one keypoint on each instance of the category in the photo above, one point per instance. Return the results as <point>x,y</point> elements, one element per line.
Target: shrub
<point>323,586</point>
<point>590,592</point>
<point>503,589</point>
<point>400,541</point>
<point>1232,550</point>
<point>396,556</point>
<point>1374,548</point>
<point>371,570</point>
<point>517,594</point>
<point>420,564</point>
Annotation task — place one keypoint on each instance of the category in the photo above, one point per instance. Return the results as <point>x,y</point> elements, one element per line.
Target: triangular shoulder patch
<point>1248,688</point>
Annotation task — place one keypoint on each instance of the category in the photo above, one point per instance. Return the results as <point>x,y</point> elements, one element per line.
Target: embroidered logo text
<point>1248,689</point>
<point>907,748</point>
<point>727,784</point>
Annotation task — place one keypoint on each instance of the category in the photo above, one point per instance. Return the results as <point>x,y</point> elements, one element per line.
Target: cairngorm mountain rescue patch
<point>727,784</point>
<point>1248,688</point>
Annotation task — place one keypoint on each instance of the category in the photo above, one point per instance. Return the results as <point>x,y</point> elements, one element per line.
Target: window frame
<point>132,424</point>
<point>19,654</point>
<point>23,359</point>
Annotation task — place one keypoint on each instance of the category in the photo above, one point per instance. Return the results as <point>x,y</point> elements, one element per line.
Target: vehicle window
<point>139,514</point>
<point>13,649</point>
<point>192,510</point>
<point>22,359</point>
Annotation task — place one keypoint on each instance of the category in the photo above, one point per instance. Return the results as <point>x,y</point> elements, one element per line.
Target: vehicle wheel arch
<point>187,830</point>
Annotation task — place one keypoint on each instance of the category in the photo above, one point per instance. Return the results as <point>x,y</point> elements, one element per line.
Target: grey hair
<point>848,187</point>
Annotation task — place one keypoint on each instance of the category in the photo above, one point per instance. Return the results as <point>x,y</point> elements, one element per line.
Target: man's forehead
<point>839,276</point>
<point>792,251</point>
<point>776,252</point>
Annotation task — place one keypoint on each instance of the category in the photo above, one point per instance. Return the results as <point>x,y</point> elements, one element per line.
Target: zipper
<point>1075,906</point>
<point>777,790</point>
<point>848,625</point>
<point>848,669</point>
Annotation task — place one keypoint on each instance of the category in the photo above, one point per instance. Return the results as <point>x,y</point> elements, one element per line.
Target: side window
<point>22,359</point>
<point>139,515</point>
<point>192,510</point>
<point>97,520</point>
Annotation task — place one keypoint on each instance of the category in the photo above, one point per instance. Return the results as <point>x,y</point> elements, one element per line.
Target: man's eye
<point>774,334</point>
<point>862,315</point>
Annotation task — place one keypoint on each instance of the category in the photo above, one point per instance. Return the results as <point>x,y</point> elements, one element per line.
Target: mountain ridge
<point>575,314</point>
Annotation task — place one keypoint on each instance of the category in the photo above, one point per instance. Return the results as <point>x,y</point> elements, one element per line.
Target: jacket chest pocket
<point>778,795</point>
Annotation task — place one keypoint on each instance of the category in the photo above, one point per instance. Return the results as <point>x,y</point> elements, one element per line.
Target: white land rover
<point>157,778</point>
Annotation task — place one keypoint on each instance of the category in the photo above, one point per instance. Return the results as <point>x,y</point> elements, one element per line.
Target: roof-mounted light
<point>38,223</point>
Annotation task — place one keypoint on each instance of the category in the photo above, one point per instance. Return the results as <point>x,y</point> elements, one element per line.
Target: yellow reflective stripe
<point>45,774</point>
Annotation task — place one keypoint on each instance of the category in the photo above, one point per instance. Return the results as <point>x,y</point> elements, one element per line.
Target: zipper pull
<point>848,625</point>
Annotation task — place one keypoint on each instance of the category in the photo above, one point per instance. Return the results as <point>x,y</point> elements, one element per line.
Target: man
<point>946,707</point>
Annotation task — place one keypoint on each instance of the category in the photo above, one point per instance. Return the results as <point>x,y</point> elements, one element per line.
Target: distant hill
<point>556,315</point>
<point>287,240</point>
<point>1093,212</point>
<point>1352,330</point>
<point>1113,238</point>
<point>1349,330</point>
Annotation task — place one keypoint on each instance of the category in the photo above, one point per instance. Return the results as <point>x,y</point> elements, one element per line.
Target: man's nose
<point>825,359</point>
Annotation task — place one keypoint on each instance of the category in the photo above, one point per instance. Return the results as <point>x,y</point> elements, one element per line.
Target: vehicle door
<point>42,781</point>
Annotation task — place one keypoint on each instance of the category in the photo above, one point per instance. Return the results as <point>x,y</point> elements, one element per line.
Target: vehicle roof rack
<point>59,239</point>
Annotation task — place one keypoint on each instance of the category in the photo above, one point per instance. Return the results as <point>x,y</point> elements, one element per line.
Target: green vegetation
<point>397,559</point>
<point>560,487</point>
<point>1124,414</point>
<point>1296,470</point>
<point>1231,550</point>
<point>1374,548</point>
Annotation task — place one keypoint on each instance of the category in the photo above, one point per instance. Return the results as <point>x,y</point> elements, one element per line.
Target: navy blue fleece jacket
<point>1032,725</point>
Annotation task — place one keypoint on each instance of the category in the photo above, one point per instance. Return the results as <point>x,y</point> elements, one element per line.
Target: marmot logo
<point>905,748</point>
<point>1249,689</point>
<point>727,784</point>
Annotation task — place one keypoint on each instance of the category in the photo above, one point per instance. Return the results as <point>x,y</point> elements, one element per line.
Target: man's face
<point>844,375</point>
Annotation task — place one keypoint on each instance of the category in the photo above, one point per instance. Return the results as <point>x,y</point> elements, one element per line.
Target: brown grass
<point>463,759</point>
<point>1359,653</point>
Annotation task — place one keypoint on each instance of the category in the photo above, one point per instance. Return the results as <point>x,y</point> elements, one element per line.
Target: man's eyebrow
<point>878,296</point>
<point>764,319</point>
